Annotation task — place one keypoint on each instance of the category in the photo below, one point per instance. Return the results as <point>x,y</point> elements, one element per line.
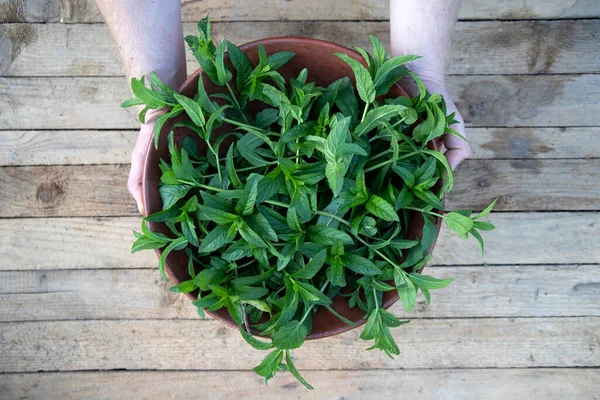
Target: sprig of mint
<point>312,200</point>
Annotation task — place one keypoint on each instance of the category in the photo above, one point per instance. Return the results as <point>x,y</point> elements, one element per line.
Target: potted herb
<point>295,191</point>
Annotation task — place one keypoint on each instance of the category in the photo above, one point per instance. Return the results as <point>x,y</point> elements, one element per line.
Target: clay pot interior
<point>323,68</point>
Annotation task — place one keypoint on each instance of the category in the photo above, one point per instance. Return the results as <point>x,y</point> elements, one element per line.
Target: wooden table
<point>82,318</point>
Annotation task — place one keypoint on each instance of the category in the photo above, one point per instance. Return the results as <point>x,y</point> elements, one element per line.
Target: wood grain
<point>71,243</point>
<point>101,190</point>
<point>66,191</point>
<point>527,185</point>
<point>466,384</point>
<point>502,291</point>
<point>522,47</point>
<point>485,101</point>
<point>539,143</point>
<point>30,148</point>
<point>25,148</point>
<point>86,11</point>
<point>187,344</point>
<point>90,243</point>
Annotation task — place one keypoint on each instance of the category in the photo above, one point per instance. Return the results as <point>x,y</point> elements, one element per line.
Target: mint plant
<point>311,200</point>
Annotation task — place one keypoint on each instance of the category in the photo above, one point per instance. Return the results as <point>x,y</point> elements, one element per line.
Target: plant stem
<point>333,216</point>
<point>237,103</point>
<point>383,153</point>
<point>375,298</point>
<point>423,211</point>
<point>384,163</point>
<point>364,112</point>
<point>312,305</point>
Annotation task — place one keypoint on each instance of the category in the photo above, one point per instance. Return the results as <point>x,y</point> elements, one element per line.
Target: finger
<point>136,172</point>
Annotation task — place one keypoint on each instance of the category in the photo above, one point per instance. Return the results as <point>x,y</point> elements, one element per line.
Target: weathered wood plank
<point>29,148</point>
<point>539,143</point>
<point>555,100</point>
<point>474,384</point>
<point>188,344</point>
<point>488,101</point>
<point>527,185</point>
<point>86,11</point>
<point>24,148</point>
<point>65,191</point>
<point>521,47</point>
<point>503,291</point>
<point>100,190</point>
<point>76,243</point>
<point>51,243</point>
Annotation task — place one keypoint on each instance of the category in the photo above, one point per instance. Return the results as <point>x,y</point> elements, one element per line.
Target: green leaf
<point>250,292</point>
<point>459,223</point>
<point>144,243</point>
<point>428,282</point>
<point>372,327</point>
<point>477,236</point>
<point>311,294</point>
<point>389,66</point>
<point>266,118</point>
<point>218,216</point>
<point>245,205</point>
<point>176,244</point>
<point>335,177</point>
<point>381,208</point>
<point>230,167</point>
<point>405,198</point>
<point>247,147</point>
<point>360,265</point>
<point>252,341</point>
<point>422,131</point>
<point>260,225</point>
<point>376,116</point>
<point>483,226</point>
<point>193,109</point>
<point>223,74</point>
<point>171,194</point>
<point>364,82</point>
<point>279,59</point>
<point>294,371</point>
<point>217,238</point>
<point>253,280</point>
<point>405,173</point>
<point>406,290</point>
<point>250,235</point>
<point>328,236</point>
<point>270,365</point>
<point>241,63</point>
<point>312,267</point>
<point>299,131</point>
<point>335,273</point>
<point>487,210</point>
<point>440,124</point>
<point>184,287</point>
<point>290,336</point>
<point>442,158</point>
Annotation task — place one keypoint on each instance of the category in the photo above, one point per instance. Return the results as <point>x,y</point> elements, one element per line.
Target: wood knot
<point>49,193</point>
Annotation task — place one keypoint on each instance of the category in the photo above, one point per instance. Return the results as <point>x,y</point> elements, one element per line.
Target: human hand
<point>457,150</point>
<point>138,157</point>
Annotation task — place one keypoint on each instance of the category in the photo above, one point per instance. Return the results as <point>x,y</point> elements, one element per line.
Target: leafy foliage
<point>309,197</point>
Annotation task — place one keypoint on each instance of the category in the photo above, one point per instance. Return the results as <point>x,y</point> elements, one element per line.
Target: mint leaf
<point>381,209</point>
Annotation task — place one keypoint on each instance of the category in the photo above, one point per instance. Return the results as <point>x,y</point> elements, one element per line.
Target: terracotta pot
<point>323,68</point>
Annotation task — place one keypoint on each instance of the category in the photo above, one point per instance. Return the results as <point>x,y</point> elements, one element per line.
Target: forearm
<point>424,27</point>
<point>149,37</point>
